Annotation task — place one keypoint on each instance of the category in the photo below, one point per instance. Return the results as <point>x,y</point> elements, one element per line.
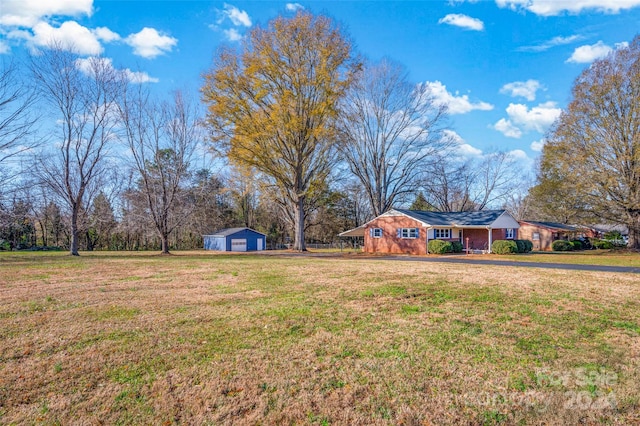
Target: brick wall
<point>390,243</point>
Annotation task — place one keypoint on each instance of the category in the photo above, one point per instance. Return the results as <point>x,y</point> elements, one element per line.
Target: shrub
<point>456,246</point>
<point>440,247</point>
<point>577,245</point>
<point>528,246</point>
<point>562,245</point>
<point>602,244</point>
<point>521,245</point>
<point>504,247</point>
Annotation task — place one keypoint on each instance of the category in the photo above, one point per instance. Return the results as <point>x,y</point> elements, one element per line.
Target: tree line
<point>313,138</point>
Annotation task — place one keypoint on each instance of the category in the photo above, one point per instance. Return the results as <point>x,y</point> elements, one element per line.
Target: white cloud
<point>521,119</point>
<point>294,7</point>
<point>538,145</point>
<point>463,21</point>
<point>556,7</point>
<point>521,160</point>
<point>4,47</point>
<point>457,104</point>
<point>136,77</point>
<point>27,13</point>
<point>459,146</point>
<point>106,35</point>
<point>537,118</point>
<point>139,77</point>
<point>589,53</point>
<point>556,41</point>
<point>232,34</point>
<point>70,35</point>
<point>149,43</point>
<point>507,128</point>
<point>526,89</point>
<point>518,154</point>
<point>238,17</point>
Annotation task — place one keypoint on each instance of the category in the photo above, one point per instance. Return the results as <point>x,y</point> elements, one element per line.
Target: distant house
<point>235,239</point>
<point>543,234</point>
<point>409,231</point>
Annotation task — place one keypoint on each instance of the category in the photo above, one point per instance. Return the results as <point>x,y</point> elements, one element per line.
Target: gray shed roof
<point>230,231</point>
<point>479,218</point>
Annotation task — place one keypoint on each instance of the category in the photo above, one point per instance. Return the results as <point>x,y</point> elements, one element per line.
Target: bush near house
<point>504,247</point>
<point>602,244</point>
<point>577,245</point>
<point>562,245</point>
<point>456,246</point>
<point>440,247</point>
<point>524,246</point>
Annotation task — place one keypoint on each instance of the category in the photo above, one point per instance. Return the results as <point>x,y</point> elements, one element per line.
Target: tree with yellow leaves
<point>272,104</point>
<point>593,150</point>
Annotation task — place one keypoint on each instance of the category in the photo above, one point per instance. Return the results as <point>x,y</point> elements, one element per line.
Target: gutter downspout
<point>427,230</point>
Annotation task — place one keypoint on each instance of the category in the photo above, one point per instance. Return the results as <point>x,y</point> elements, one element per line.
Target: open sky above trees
<point>504,68</point>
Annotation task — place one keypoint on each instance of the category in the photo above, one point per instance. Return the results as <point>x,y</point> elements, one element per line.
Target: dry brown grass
<point>199,338</point>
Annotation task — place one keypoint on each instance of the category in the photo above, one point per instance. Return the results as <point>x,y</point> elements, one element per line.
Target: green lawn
<point>200,338</point>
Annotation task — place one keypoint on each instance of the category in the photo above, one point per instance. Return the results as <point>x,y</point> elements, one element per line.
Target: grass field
<point>199,338</point>
<point>586,257</point>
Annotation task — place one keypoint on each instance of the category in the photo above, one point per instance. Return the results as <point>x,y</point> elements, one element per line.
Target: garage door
<point>239,244</point>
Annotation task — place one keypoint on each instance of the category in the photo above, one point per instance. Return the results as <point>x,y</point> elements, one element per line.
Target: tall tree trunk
<point>634,228</point>
<point>73,247</point>
<point>298,243</point>
<point>165,243</point>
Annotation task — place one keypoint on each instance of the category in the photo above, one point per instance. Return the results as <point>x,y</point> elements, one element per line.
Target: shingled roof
<point>230,231</point>
<point>457,219</point>
<point>552,225</point>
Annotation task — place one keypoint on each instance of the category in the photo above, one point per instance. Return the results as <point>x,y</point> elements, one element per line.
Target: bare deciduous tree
<point>391,129</point>
<point>83,94</point>
<point>162,138</point>
<point>16,117</point>
<point>471,185</point>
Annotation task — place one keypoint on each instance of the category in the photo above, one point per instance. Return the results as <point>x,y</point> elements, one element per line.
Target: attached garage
<point>235,239</point>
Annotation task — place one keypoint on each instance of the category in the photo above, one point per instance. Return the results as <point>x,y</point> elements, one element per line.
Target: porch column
<point>490,239</point>
<point>427,232</point>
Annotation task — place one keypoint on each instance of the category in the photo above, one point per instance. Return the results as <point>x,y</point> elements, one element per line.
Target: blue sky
<point>504,67</point>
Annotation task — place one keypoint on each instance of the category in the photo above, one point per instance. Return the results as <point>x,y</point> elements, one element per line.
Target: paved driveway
<point>468,261</point>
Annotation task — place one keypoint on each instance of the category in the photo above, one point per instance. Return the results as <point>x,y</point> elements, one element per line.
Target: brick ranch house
<point>409,231</point>
<point>543,234</point>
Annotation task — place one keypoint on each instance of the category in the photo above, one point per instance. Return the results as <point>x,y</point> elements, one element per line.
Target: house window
<point>408,232</point>
<point>442,233</point>
<point>509,234</point>
<point>535,236</point>
<point>376,232</point>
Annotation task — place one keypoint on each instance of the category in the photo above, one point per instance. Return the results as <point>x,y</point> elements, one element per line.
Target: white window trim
<point>376,233</point>
<point>406,233</point>
<point>510,234</point>
<point>437,231</point>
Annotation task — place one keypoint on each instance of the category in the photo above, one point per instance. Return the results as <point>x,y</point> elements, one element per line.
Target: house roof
<point>230,231</point>
<point>456,219</point>
<point>552,225</point>
<point>608,227</point>
<point>355,232</point>
<point>479,219</point>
